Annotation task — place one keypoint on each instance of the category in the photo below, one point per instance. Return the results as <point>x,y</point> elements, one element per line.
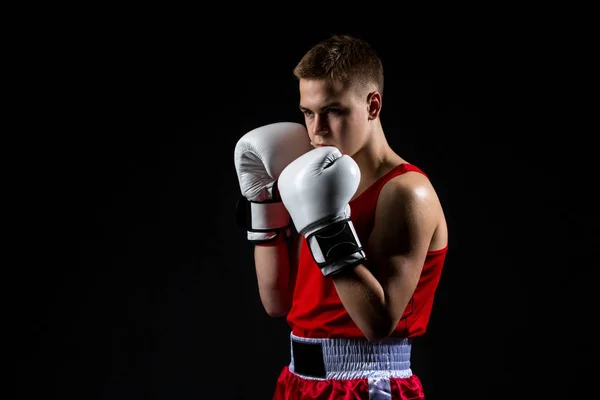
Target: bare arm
<point>407,215</point>
<point>276,266</point>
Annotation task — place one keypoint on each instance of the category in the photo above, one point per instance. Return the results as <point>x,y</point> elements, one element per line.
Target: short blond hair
<point>343,59</point>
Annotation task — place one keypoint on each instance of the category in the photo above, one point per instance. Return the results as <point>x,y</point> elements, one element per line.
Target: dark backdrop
<point>150,290</point>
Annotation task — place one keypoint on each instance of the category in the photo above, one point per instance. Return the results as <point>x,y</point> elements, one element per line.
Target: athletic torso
<point>317,310</point>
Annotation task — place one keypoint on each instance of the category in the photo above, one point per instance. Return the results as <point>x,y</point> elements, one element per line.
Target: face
<point>335,116</point>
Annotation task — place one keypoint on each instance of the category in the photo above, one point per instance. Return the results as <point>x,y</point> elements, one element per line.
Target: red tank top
<point>317,311</point>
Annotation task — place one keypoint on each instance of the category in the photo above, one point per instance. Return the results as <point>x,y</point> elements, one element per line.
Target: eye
<point>308,113</point>
<point>333,111</point>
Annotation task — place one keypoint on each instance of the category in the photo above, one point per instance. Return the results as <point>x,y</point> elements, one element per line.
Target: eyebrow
<point>325,106</point>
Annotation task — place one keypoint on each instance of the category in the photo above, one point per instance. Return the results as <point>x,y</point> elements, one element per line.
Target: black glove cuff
<point>336,247</point>
<point>263,221</point>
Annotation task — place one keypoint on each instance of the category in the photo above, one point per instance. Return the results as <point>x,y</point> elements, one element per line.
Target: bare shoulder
<point>410,188</point>
<point>408,209</point>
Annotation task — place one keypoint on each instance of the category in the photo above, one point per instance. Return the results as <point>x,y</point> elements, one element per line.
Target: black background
<point>146,287</point>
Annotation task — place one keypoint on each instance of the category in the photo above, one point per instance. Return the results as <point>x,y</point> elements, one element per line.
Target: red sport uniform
<point>285,180</point>
<point>330,358</point>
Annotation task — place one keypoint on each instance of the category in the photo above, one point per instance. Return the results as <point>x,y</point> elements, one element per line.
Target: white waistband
<point>358,358</point>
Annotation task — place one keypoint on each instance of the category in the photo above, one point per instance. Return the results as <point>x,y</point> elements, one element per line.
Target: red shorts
<point>348,369</point>
<point>293,387</point>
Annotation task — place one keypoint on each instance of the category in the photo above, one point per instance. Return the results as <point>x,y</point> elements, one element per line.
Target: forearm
<point>275,280</point>
<point>365,301</point>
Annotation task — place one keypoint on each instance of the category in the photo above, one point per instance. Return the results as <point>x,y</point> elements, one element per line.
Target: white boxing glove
<point>316,189</point>
<point>260,156</point>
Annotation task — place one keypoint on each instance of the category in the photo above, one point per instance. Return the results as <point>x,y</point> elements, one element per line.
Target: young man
<point>350,237</point>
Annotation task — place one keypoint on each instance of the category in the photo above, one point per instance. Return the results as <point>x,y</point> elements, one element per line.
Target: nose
<point>320,126</point>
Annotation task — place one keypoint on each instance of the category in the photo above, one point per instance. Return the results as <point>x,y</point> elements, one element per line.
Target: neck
<point>376,153</point>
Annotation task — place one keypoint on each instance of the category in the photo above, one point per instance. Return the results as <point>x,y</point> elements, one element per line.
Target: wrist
<point>264,221</point>
<point>279,239</point>
<point>335,246</point>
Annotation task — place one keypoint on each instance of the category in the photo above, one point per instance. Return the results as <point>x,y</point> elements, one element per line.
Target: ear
<point>374,105</point>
